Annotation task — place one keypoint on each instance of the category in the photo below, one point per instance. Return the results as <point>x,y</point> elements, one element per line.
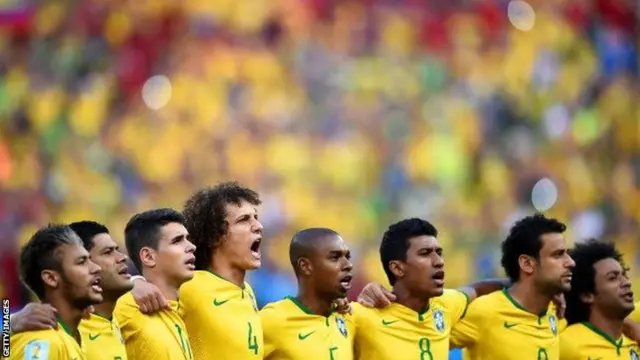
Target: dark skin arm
<point>375,295</point>
<point>37,316</point>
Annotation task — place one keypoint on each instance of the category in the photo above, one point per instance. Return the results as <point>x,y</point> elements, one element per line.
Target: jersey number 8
<point>425,349</point>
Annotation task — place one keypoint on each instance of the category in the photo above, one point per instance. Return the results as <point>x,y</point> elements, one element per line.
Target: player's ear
<point>147,257</point>
<point>527,264</point>
<point>587,298</point>
<point>397,269</point>
<point>305,266</point>
<point>50,278</point>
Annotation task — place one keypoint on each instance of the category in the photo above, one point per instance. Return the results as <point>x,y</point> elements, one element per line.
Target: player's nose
<point>122,258</point>
<point>348,266</point>
<point>257,226</point>
<point>190,248</point>
<point>569,263</point>
<point>626,283</point>
<point>94,269</point>
<point>438,261</point>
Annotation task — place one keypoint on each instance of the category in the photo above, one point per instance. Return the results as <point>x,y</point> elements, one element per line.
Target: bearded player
<point>517,323</point>
<point>58,269</point>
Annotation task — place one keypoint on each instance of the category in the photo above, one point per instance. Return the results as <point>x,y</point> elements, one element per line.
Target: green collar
<point>616,343</point>
<point>225,279</point>
<point>517,305</point>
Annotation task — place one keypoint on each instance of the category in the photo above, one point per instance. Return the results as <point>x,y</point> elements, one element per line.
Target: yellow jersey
<point>222,318</point>
<point>496,327</point>
<point>159,336</point>
<point>101,339</point>
<point>584,341</point>
<point>292,331</point>
<point>397,332</point>
<point>52,344</point>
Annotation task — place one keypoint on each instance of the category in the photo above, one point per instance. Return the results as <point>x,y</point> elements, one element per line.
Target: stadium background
<point>347,114</point>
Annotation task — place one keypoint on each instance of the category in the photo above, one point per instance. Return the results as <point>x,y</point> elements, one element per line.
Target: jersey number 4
<point>252,340</point>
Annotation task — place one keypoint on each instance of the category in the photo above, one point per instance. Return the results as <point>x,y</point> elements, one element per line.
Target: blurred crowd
<point>348,114</point>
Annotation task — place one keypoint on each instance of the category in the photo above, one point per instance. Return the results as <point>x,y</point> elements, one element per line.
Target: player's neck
<point>528,297</point>
<point>416,302</point>
<point>169,290</point>
<point>105,309</point>
<point>606,324</point>
<point>68,316</point>
<point>314,302</point>
<point>221,267</point>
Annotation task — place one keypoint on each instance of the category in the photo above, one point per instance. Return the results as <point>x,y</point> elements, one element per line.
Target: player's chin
<point>188,274</point>
<point>253,263</point>
<point>565,286</point>
<point>437,291</point>
<point>94,298</point>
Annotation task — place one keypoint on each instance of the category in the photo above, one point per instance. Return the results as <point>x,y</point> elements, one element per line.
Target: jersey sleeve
<point>457,302</point>
<point>467,331</point>
<point>270,329</point>
<point>39,347</point>
<point>128,316</point>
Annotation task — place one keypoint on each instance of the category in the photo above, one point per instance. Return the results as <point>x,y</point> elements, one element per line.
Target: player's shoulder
<point>572,330</point>
<point>199,280</point>
<point>450,296</point>
<point>37,344</point>
<point>492,301</point>
<point>126,301</point>
<point>360,311</point>
<point>486,306</point>
<point>276,312</point>
<point>45,335</point>
<point>277,307</point>
<point>126,308</point>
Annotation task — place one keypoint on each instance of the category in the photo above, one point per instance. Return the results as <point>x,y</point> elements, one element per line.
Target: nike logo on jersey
<point>93,337</point>
<point>387,323</point>
<point>303,337</point>
<point>509,325</point>
<point>590,358</point>
<point>216,302</point>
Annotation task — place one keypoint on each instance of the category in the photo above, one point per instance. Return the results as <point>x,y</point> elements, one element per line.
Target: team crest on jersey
<point>341,326</point>
<point>37,350</point>
<point>553,324</point>
<point>633,355</point>
<point>438,320</point>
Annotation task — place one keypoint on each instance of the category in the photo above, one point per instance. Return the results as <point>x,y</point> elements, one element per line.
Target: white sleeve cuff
<point>137,277</point>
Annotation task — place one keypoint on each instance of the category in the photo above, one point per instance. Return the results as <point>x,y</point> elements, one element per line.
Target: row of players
<point>203,254</point>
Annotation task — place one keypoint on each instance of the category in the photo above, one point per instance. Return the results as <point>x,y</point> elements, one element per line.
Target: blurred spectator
<point>344,114</point>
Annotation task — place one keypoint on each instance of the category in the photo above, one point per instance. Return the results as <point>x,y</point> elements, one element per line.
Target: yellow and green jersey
<point>222,318</point>
<point>584,341</point>
<point>52,344</point>
<point>101,338</point>
<point>292,332</point>
<point>397,332</point>
<point>159,336</point>
<point>496,327</point>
